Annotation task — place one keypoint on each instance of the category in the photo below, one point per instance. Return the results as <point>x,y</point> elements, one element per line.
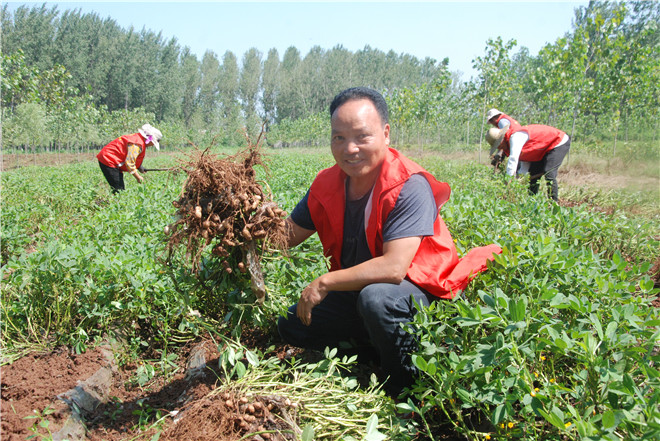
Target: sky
<point>435,29</point>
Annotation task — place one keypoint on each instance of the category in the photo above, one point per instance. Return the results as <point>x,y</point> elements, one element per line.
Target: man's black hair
<point>357,93</point>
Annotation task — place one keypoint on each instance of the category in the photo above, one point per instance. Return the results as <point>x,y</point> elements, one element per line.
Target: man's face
<point>359,140</point>
<point>492,121</point>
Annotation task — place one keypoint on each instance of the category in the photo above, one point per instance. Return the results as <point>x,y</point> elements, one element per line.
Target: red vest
<point>541,140</point>
<point>515,124</point>
<point>436,266</point>
<point>114,154</point>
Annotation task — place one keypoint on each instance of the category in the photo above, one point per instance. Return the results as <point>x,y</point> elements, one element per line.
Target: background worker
<point>125,154</point>
<point>376,214</point>
<point>499,120</point>
<point>542,147</point>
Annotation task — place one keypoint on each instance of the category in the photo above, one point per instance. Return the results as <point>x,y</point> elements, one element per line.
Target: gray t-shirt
<point>413,215</point>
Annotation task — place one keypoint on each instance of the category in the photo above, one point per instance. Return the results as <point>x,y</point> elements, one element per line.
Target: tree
<point>495,77</point>
<point>209,92</point>
<point>249,83</point>
<point>32,31</point>
<point>228,92</point>
<point>83,43</point>
<point>27,126</point>
<point>19,83</point>
<point>191,79</point>
<point>337,73</point>
<point>270,82</point>
<point>287,101</point>
<point>309,89</point>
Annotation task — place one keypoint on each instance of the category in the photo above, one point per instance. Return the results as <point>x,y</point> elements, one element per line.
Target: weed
<point>41,423</point>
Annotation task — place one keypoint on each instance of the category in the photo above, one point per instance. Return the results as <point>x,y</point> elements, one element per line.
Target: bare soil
<point>193,406</point>
<point>13,161</point>
<point>33,383</point>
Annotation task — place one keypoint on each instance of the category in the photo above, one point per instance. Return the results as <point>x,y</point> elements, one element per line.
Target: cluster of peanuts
<point>223,207</point>
<point>233,230</point>
<point>257,415</point>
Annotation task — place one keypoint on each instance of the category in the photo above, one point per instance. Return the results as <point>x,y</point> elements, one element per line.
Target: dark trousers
<point>548,167</point>
<point>367,323</point>
<point>114,176</point>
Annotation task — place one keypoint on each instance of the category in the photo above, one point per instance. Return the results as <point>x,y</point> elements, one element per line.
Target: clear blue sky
<point>436,29</point>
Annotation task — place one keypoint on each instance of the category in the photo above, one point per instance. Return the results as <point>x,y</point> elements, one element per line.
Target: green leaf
<point>372,430</point>
<point>553,419</point>
<point>252,358</point>
<point>596,323</point>
<point>307,433</point>
<point>608,419</point>
<point>465,396</point>
<point>419,362</point>
<point>240,370</point>
<point>500,414</point>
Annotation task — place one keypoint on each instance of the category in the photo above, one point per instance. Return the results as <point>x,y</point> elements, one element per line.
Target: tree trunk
<point>467,133</point>
<point>483,121</point>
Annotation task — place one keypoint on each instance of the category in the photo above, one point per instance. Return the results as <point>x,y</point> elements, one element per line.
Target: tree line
<point>71,80</point>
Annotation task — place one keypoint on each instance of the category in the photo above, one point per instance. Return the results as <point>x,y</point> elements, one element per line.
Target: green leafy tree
<point>19,82</point>
<point>310,92</point>
<point>86,45</point>
<point>337,72</point>
<point>249,82</point>
<point>270,84</point>
<point>287,101</point>
<point>209,92</point>
<point>495,77</point>
<point>32,31</point>
<point>229,98</point>
<point>191,79</point>
<point>27,127</point>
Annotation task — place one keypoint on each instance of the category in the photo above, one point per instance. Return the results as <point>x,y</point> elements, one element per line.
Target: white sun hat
<point>148,130</point>
<point>491,113</point>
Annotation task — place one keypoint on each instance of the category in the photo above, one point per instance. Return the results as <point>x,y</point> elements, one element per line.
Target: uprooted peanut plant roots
<point>223,205</point>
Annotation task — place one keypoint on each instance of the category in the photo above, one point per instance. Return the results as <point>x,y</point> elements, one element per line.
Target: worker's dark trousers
<point>548,167</point>
<point>367,323</point>
<point>114,176</point>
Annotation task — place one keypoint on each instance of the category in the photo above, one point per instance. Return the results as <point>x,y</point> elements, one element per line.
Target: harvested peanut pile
<point>229,417</point>
<point>224,208</point>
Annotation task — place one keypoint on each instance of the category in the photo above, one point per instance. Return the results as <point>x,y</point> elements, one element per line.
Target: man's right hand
<point>138,177</point>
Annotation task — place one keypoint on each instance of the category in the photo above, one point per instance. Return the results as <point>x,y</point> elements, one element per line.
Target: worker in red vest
<point>499,120</point>
<point>376,214</point>
<point>125,154</point>
<point>543,149</point>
